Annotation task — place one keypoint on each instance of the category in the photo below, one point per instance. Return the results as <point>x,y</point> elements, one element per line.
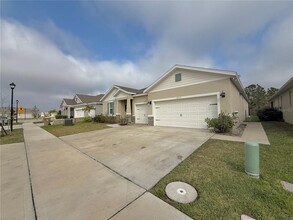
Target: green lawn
<point>216,170</point>
<point>15,137</point>
<point>79,127</point>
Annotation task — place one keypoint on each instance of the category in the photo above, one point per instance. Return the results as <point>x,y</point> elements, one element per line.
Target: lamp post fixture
<point>12,86</point>
<point>16,119</point>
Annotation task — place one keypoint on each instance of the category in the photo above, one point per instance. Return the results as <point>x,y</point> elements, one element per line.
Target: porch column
<point>68,112</point>
<point>128,110</point>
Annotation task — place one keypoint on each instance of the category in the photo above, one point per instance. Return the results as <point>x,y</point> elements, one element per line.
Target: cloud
<point>47,63</point>
<point>243,36</point>
<point>44,74</point>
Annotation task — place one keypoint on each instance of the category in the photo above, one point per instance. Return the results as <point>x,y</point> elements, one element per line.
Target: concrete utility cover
<point>181,192</point>
<point>246,217</point>
<point>287,186</point>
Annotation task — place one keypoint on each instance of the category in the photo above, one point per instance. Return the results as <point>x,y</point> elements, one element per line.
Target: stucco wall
<point>238,103</point>
<point>121,107</point>
<point>99,109</point>
<point>285,105</point>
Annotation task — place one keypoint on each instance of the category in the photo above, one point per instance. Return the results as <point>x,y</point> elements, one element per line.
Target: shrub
<point>222,124</point>
<point>99,118</point>
<point>104,119</point>
<point>87,119</point>
<point>123,121</point>
<point>60,116</point>
<point>110,119</point>
<point>270,114</point>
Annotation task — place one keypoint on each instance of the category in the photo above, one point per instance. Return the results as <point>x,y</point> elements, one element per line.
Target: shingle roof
<point>84,99</point>
<point>89,98</point>
<point>69,101</point>
<point>140,91</point>
<point>131,90</point>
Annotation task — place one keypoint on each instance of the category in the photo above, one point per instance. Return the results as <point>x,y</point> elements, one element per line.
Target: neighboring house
<point>121,102</point>
<point>283,100</point>
<point>183,97</point>
<point>74,108</point>
<point>27,113</point>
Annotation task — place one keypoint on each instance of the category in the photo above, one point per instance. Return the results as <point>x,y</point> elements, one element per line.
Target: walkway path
<point>16,199</point>
<point>68,184</point>
<point>253,132</point>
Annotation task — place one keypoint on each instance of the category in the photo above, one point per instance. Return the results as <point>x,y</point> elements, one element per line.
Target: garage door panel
<point>185,112</point>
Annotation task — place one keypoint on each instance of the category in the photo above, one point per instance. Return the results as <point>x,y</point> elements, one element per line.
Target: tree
<point>35,112</point>
<point>52,111</point>
<point>271,91</point>
<point>257,98</point>
<point>4,110</point>
<point>88,108</point>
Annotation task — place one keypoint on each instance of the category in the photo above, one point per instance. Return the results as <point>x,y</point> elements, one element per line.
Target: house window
<point>177,77</point>
<point>290,98</point>
<point>111,108</point>
<point>281,102</point>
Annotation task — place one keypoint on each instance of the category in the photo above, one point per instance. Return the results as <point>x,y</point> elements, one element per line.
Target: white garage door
<point>78,113</point>
<point>189,113</point>
<point>141,114</point>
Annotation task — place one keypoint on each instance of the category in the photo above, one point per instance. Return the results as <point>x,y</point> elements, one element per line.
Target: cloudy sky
<point>55,49</point>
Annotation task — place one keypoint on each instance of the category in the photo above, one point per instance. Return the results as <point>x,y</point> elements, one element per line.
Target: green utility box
<point>252,158</point>
<point>68,122</point>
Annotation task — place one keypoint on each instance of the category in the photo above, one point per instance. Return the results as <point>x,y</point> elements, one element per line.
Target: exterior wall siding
<point>187,77</point>
<point>203,88</point>
<point>122,95</point>
<point>110,97</point>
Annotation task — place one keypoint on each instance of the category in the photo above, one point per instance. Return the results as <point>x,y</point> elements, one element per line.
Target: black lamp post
<point>16,119</point>
<point>12,86</point>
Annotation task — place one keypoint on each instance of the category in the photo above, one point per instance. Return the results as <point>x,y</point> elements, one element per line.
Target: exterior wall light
<point>223,94</point>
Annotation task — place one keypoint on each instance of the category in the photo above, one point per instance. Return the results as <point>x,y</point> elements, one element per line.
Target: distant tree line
<point>258,97</point>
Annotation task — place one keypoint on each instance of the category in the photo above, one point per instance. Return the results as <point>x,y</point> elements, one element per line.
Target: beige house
<point>283,100</point>
<point>183,97</point>
<point>74,108</point>
<point>120,101</point>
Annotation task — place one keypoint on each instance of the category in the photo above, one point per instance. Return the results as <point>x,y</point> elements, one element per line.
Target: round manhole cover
<point>181,192</point>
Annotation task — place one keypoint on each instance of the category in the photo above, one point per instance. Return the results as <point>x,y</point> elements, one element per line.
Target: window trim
<point>178,77</point>
<point>290,98</point>
<point>109,108</point>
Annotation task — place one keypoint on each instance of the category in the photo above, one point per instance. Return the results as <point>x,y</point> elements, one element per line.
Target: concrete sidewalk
<point>68,184</point>
<point>16,199</point>
<point>253,132</point>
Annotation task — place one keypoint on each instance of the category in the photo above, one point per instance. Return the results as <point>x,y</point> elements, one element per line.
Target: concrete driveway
<point>97,175</point>
<point>142,154</point>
